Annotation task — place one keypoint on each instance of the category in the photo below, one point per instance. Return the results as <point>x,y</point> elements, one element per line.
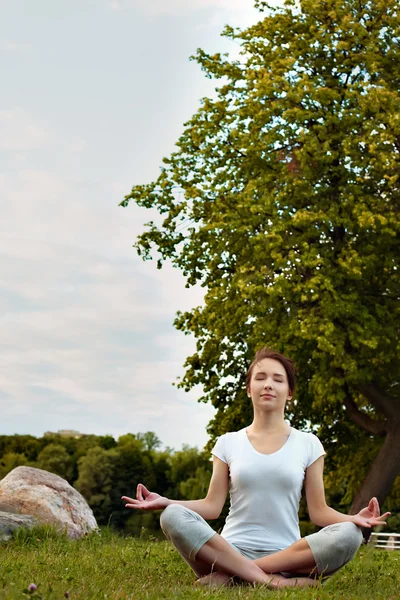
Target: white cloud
<point>163,7</point>
<point>14,46</point>
<point>19,131</point>
<point>78,147</point>
<point>115,5</point>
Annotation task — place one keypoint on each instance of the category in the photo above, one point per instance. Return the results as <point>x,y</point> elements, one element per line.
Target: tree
<point>10,461</point>
<point>21,444</point>
<point>96,470</point>
<point>196,486</point>
<point>55,458</point>
<point>150,440</point>
<point>282,201</point>
<point>189,468</point>
<point>162,471</point>
<point>132,464</point>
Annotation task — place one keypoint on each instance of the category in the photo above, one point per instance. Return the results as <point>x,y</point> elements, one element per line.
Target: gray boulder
<point>10,522</point>
<point>48,498</point>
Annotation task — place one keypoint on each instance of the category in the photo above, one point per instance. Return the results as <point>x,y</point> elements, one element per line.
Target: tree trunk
<point>382,474</point>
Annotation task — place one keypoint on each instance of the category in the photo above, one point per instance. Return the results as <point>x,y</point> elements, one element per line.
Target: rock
<point>48,498</point>
<point>10,522</point>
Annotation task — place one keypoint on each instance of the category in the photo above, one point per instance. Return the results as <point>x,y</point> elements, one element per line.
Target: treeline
<point>103,469</point>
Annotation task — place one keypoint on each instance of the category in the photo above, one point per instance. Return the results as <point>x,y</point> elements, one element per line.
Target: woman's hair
<point>287,364</point>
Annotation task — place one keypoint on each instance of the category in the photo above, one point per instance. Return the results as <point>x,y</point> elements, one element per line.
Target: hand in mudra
<point>145,500</point>
<point>370,515</point>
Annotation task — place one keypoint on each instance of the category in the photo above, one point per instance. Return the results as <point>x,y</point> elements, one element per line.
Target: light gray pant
<point>332,546</point>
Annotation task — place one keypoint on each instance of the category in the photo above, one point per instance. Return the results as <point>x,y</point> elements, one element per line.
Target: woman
<point>264,467</point>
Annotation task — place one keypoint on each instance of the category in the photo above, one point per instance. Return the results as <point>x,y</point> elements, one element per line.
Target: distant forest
<point>103,469</point>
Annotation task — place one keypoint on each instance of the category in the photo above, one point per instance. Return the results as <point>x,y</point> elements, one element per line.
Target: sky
<point>94,93</point>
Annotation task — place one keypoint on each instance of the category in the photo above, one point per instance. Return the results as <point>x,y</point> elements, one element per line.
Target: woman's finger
<point>379,520</point>
<point>139,492</point>
<point>377,510</point>
<point>145,491</point>
<point>127,499</point>
<point>385,515</point>
<point>133,504</point>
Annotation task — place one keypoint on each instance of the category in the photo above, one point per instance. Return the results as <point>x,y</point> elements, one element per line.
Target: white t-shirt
<point>265,489</point>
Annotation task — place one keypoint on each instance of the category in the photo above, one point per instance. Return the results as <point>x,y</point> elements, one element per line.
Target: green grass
<point>106,565</point>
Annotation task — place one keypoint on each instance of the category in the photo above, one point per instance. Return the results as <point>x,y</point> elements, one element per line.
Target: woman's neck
<point>269,423</point>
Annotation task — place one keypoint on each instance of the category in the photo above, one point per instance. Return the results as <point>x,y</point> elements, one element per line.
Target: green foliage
<point>107,442</point>
<point>150,440</point>
<point>20,444</point>
<point>55,458</point>
<point>282,201</point>
<point>95,481</point>
<point>131,466</point>
<point>184,465</point>
<point>10,461</point>
<point>196,486</point>
<point>162,471</point>
<point>344,488</point>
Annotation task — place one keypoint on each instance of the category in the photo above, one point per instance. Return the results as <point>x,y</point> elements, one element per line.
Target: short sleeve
<point>315,449</point>
<point>219,449</point>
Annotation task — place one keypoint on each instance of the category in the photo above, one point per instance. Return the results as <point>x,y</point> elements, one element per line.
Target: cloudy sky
<point>93,94</point>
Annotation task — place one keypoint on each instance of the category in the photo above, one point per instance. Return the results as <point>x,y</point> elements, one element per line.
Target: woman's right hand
<point>146,500</point>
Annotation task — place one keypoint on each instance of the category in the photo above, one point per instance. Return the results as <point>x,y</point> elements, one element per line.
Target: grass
<point>106,565</point>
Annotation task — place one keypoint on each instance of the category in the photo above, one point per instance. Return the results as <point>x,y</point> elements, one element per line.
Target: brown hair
<point>287,364</point>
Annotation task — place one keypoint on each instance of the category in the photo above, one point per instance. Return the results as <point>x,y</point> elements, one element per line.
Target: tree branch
<point>363,420</point>
<point>388,405</point>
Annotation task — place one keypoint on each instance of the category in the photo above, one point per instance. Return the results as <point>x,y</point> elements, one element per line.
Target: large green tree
<point>95,481</point>
<point>282,201</point>
<point>55,458</point>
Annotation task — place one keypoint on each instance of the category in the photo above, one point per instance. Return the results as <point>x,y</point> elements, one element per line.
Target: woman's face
<point>269,388</point>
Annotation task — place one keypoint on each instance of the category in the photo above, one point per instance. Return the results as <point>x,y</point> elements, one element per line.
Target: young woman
<point>263,466</point>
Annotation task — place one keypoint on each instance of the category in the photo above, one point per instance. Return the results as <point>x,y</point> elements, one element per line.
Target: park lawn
<point>107,565</point>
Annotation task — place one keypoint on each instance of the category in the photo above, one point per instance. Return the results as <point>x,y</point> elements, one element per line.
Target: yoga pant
<point>332,547</point>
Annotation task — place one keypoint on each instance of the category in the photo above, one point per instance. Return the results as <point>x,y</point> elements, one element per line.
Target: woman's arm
<point>322,515</point>
<point>209,507</point>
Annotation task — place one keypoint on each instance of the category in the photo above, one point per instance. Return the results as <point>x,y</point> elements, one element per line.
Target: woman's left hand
<point>370,516</point>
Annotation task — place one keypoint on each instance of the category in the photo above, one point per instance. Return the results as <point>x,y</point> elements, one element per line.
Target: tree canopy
<point>282,201</point>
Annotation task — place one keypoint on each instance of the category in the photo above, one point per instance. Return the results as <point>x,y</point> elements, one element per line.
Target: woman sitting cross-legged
<point>263,466</point>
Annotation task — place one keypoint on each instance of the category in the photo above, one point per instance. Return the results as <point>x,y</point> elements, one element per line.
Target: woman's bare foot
<point>215,579</point>
<point>279,581</point>
<point>274,581</point>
